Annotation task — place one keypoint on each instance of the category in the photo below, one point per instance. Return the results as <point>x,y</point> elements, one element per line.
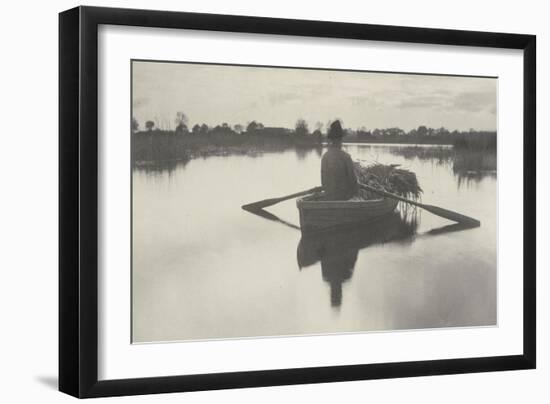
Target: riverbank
<point>157,146</point>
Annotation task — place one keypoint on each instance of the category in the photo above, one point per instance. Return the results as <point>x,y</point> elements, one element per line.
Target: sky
<point>214,94</point>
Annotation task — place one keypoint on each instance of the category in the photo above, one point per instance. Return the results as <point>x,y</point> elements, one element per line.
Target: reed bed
<point>162,146</point>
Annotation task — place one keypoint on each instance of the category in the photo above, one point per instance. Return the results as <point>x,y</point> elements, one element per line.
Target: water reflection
<point>473,166</point>
<point>203,268</point>
<point>337,250</point>
<point>159,167</point>
<point>469,166</point>
<point>303,151</point>
<point>450,228</point>
<point>270,216</point>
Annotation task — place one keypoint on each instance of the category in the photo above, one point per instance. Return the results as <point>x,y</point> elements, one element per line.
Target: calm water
<point>203,268</point>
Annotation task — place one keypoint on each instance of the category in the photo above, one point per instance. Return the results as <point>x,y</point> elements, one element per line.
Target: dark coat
<point>338,175</point>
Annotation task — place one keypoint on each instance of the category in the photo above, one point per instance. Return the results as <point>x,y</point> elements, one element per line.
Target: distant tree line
<point>252,128</point>
<point>153,141</point>
<point>425,135</point>
<point>301,128</point>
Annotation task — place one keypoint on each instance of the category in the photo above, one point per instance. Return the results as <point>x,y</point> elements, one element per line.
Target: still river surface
<point>203,268</point>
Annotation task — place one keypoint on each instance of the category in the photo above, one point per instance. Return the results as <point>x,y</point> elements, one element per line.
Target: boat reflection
<point>337,251</point>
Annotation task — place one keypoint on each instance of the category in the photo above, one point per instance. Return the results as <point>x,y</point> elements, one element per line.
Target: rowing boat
<point>317,214</point>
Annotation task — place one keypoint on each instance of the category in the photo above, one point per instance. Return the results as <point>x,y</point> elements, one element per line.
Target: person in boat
<point>337,172</point>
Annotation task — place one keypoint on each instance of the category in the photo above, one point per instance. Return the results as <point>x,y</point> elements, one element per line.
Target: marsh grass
<point>159,146</point>
<point>472,160</point>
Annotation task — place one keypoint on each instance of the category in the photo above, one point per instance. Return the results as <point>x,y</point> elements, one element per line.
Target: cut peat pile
<point>389,178</point>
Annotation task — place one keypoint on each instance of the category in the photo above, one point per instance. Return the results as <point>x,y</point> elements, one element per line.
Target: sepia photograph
<point>273,201</point>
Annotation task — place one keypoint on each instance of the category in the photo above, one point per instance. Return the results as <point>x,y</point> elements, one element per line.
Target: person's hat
<point>335,131</point>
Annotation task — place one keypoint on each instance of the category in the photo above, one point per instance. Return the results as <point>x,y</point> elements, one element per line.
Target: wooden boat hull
<point>318,215</point>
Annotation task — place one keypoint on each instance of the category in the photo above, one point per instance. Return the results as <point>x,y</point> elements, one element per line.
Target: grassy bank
<point>169,146</point>
<point>469,161</point>
<point>470,151</point>
<point>483,141</point>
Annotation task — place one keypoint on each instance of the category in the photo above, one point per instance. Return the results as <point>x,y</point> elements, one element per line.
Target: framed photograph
<point>252,201</point>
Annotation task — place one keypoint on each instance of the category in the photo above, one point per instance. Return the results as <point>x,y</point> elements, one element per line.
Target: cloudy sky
<point>214,94</point>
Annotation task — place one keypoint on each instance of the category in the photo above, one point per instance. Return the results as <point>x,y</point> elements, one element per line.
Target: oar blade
<point>261,204</point>
<point>454,216</point>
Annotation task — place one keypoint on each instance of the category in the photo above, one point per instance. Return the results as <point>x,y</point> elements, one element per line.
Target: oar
<point>272,201</point>
<point>436,210</point>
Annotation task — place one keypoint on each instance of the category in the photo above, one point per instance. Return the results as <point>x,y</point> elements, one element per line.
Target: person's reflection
<point>337,251</point>
<point>337,268</point>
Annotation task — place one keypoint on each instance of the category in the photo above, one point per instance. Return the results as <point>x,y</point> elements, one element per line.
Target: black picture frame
<point>78,201</point>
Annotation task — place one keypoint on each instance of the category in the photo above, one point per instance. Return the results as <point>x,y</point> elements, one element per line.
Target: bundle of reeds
<point>389,178</point>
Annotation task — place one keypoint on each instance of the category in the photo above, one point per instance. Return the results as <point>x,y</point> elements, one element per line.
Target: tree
<point>422,131</point>
<point>317,135</point>
<point>319,126</point>
<point>135,125</point>
<point>221,129</point>
<point>238,128</point>
<point>443,131</point>
<point>181,123</point>
<point>196,129</point>
<point>182,129</point>
<point>204,129</point>
<point>149,125</point>
<point>301,127</point>
<point>363,133</point>
<point>253,127</point>
<point>181,118</point>
<point>395,132</point>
